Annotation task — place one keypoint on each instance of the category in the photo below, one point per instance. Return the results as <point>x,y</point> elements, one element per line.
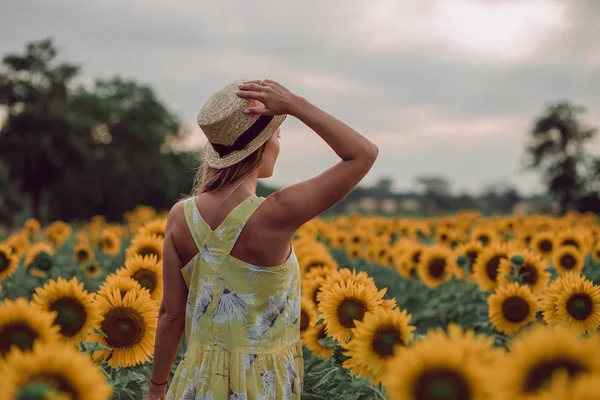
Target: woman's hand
<point>276,98</point>
<point>156,392</point>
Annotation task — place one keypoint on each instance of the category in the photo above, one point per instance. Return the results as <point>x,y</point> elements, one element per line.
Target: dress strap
<point>231,228</point>
<point>197,226</point>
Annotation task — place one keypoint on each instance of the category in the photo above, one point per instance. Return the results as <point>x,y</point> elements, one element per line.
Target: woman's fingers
<point>246,94</point>
<point>252,86</point>
<point>257,110</point>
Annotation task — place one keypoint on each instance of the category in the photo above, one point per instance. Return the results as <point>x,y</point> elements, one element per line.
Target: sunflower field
<point>458,307</point>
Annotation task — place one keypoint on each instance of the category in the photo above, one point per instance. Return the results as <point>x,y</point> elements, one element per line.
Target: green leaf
<point>99,332</point>
<point>94,346</point>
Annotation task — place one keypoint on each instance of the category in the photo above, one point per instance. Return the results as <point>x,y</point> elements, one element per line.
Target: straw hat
<point>233,135</point>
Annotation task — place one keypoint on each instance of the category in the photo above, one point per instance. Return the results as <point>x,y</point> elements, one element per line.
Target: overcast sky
<point>446,87</point>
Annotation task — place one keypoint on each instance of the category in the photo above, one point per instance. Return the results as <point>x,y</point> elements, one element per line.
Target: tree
<point>556,147</point>
<point>40,138</point>
<point>131,161</point>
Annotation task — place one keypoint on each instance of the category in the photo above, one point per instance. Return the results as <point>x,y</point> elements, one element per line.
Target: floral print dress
<point>242,321</point>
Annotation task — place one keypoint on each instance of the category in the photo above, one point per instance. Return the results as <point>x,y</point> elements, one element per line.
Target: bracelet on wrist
<point>158,384</point>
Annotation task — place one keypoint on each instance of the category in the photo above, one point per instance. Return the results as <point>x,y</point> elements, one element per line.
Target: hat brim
<point>213,160</point>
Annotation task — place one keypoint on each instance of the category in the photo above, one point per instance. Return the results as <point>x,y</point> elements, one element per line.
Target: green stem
<point>380,391</point>
<point>113,374</point>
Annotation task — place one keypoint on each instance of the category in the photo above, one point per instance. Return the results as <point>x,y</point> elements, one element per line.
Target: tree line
<point>70,151</point>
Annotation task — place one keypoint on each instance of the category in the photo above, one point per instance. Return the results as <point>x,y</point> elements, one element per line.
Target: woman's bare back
<point>259,242</point>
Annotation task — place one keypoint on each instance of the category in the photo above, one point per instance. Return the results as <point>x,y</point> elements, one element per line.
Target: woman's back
<point>242,320</point>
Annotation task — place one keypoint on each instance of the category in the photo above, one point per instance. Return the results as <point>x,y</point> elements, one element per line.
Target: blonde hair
<point>208,178</point>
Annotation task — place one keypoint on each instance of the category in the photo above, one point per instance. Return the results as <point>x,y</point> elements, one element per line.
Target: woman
<point>231,278</point>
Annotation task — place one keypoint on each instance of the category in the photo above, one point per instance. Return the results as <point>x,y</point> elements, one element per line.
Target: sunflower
<point>476,348</point>
<point>343,275</point>
<point>308,315</point>
<point>511,308</point>
<point>155,227</point>
<point>8,262</point>
<point>76,314</point>
<point>38,259</point>
<point>311,339</point>
<point>82,253</point>
<point>109,242</point>
<point>578,304</point>
<point>544,243</point>
<point>375,342</point>
<point>92,270</point>
<point>485,270</point>
<point>471,250</point>
<point>145,245</point>
<point>437,265</point>
<point>409,260</point>
<point>147,271</point>
<point>32,227</point>
<point>57,232</point>
<point>357,237</point>
<point>354,252</point>
<point>129,324</point>
<point>532,269</point>
<point>120,282</point>
<point>18,244</point>
<point>22,325</point>
<point>312,288</point>
<point>567,258</point>
<point>345,303</point>
<point>596,252</point>
<point>571,238</point>
<point>57,368</point>
<point>485,235</point>
<point>549,296</point>
<point>537,355</point>
<point>431,370</point>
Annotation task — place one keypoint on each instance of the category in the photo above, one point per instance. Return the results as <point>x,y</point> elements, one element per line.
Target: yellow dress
<point>242,321</point>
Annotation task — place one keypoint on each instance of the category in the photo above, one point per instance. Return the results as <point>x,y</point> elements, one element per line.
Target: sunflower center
<point>515,309</point>
<point>148,251</point>
<point>540,374</point>
<point>350,310</point>
<point>57,382</point>
<point>484,239</point>
<point>532,274</point>
<point>570,242</point>
<point>17,334</point>
<point>416,257</point>
<point>567,261</point>
<point>3,262</point>
<point>71,315</point>
<point>124,327</point>
<point>441,384</point>
<point>382,253</point>
<point>106,243</point>
<point>82,255</point>
<point>491,267</point>
<point>146,278</point>
<point>545,246</point>
<point>385,340</point>
<point>437,267</point>
<point>304,320</point>
<point>580,306</point>
<point>322,334</point>
<point>35,391</point>
<point>92,268</point>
